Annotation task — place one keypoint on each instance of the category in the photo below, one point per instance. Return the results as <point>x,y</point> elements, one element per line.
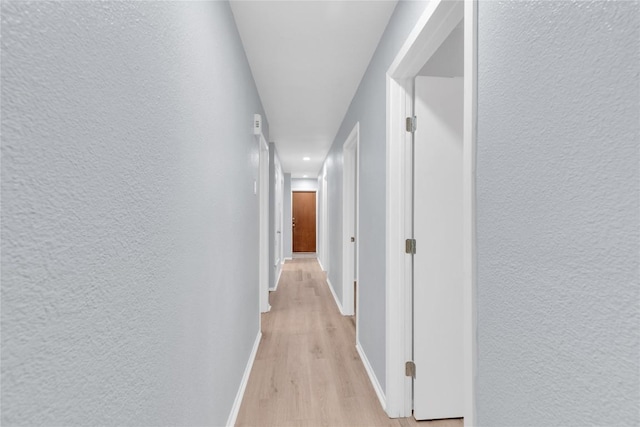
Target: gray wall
<point>127,172</point>
<point>286,232</point>
<point>369,108</point>
<point>558,213</point>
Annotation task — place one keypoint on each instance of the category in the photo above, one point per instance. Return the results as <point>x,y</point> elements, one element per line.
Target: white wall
<point>369,108</point>
<point>558,213</point>
<point>129,222</point>
<point>304,184</point>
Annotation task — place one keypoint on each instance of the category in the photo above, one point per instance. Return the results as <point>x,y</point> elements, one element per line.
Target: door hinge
<point>410,246</point>
<point>410,369</point>
<point>412,124</point>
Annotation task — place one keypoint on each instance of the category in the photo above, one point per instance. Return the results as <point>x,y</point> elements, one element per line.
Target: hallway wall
<point>369,108</point>
<point>558,213</point>
<point>127,172</point>
<point>304,184</point>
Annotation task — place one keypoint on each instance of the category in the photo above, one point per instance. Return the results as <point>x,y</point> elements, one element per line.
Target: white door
<point>278,222</point>
<point>349,225</point>
<point>438,292</point>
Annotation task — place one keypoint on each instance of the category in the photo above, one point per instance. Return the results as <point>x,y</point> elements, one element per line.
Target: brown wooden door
<point>304,221</point>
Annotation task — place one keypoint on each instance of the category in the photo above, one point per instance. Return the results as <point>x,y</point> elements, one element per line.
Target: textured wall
<point>369,108</point>
<point>558,213</point>
<point>127,173</point>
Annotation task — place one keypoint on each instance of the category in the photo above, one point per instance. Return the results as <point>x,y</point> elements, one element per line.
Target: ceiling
<point>307,58</point>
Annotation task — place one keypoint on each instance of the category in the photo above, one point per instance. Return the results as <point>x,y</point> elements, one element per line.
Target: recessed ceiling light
<point>306,159</point>
<point>305,176</point>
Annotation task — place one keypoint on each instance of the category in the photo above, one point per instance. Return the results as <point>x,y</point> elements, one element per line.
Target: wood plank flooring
<point>307,371</point>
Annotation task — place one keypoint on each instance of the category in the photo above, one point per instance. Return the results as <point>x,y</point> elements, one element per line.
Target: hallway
<point>149,152</point>
<point>307,371</point>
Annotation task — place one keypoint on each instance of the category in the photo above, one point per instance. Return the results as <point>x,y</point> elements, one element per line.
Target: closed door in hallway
<point>304,221</point>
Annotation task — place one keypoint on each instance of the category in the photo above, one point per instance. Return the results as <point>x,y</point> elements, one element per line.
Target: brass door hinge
<point>410,246</point>
<point>410,369</point>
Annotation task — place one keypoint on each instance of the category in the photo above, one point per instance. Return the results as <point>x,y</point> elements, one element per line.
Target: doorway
<point>263,194</point>
<point>303,221</point>
<point>324,222</point>
<point>350,151</point>
<point>278,244</point>
<point>437,225</point>
<point>444,208</point>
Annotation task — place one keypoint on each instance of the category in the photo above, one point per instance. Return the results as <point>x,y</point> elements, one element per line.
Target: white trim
<point>275,288</point>
<point>398,304</point>
<point>288,258</point>
<point>321,266</point>
<point>372,375</point>
<point>350,153</point>
<point>243,383</point>
<point>263,203</point>
<point>278,219</point>
<point>335,297</point>
<point>324,220</point>
<point>433,27</point>
<point>469,208</point>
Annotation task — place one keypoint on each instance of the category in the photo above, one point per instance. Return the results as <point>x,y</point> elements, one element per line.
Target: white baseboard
<point>231,421</point>
<point>372,376</point>
<point>335,297</point>
<point>278,278</point>
<point>321,266</point>
<point>288,258</point>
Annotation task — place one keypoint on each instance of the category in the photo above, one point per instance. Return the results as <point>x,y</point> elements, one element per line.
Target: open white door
<point>438,268</point>
<point>431,49</point>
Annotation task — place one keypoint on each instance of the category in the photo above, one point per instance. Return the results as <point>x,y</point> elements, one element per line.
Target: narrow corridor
<point>307,371</point>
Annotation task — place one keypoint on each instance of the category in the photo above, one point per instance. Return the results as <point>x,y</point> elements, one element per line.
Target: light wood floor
<point>307,371</point>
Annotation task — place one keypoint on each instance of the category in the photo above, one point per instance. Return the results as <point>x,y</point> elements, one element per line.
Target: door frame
<point>263,194</point>
<point>350,204</point>
<point>433,27</point>
<point>278,221</point>
<point>324,221</point>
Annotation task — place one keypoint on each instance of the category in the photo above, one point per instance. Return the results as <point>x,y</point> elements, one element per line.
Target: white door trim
<point>324,224</point>
<point>263,268</point>
<point>469,208</point>
<point>350,153</point>
<point>433,27</point>
<point>278,223</point>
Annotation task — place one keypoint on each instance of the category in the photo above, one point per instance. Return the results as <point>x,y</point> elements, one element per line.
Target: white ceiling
<point>307,58</point>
